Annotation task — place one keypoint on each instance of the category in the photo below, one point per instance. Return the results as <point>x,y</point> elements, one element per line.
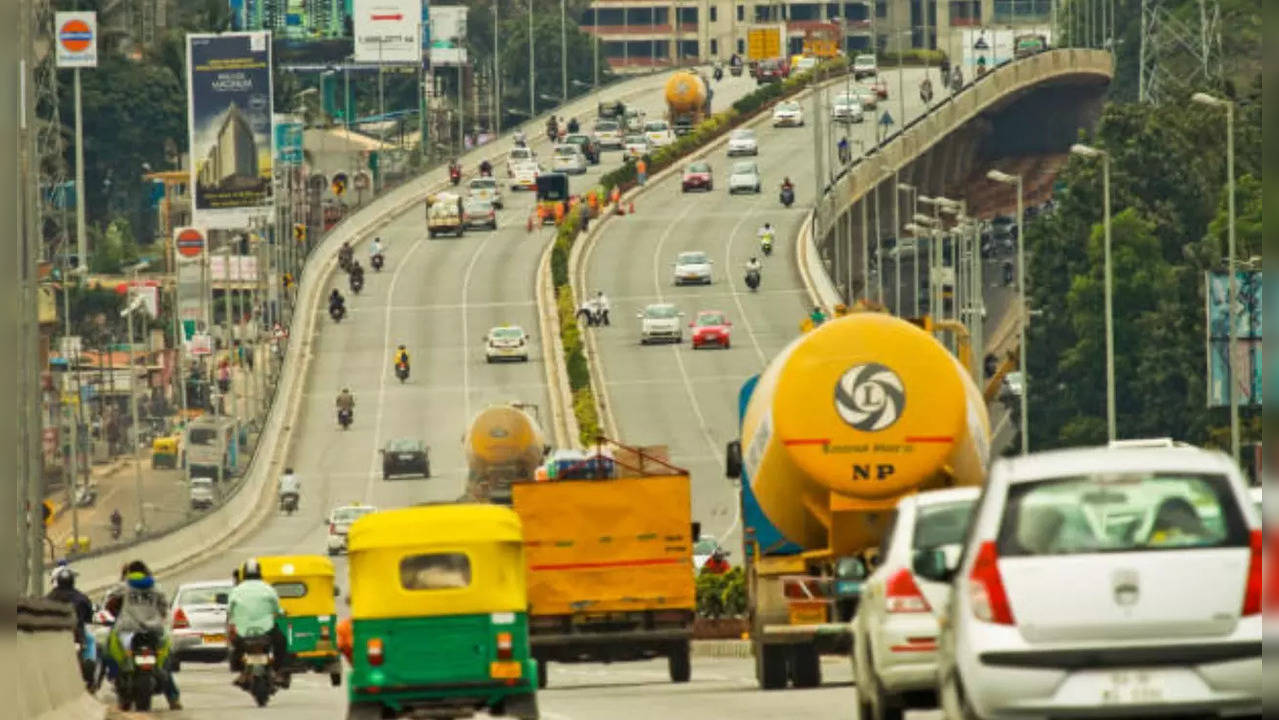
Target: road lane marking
<point>459,306</point>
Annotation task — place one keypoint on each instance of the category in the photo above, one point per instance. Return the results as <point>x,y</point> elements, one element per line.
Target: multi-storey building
<point>293,19</point>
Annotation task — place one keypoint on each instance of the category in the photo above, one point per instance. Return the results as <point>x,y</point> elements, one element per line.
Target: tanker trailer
<point>688,101</point>
<point>503,444</point>
<point>846,420</point>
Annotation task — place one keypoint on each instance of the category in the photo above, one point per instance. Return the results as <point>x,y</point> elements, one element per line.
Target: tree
<point>546,43</point>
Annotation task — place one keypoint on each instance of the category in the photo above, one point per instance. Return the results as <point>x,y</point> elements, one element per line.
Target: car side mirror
<point>697,531</point>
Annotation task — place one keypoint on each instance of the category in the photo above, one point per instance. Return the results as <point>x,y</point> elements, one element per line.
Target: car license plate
<point>814,614</point>
<point>146,662</point>
<point>406,456</point>
<point>1131,687</point>
<point>505,669</point>
<point>214,639</point>
<point>255,658</point>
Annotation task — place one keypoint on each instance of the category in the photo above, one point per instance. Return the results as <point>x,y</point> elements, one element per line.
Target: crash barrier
<point>899,149</point>
<point>198,540</point>
<point>49,683</point>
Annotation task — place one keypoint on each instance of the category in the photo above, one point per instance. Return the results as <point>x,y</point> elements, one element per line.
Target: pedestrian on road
<point>641,171</point>
<point>248,356</point>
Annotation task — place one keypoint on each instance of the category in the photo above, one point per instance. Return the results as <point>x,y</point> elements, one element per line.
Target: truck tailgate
<point>607,545</point>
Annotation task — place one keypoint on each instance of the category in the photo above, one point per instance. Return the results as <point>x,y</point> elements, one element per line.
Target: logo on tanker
<point>870,397</point>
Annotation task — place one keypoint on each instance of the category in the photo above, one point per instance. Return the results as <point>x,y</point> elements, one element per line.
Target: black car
<point>589,148</point>
<point>405,456</point>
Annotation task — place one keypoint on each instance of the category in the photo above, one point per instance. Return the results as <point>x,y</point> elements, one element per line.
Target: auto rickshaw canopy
<point>441,560</point>
<point>303,582</point>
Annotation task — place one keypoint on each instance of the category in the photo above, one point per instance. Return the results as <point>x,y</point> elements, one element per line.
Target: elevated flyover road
<point>438,297</point>
<point>670,394</point>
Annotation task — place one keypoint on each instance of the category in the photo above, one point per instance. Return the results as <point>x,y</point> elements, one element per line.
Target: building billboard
<point>448,33</point>
<point>229,119</point>
<point>1247,362</point>
<point>386,31</point>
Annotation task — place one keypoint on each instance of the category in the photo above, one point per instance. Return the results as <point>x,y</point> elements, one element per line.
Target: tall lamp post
<point>563,55</point>
<point>1016,181</point>
<point>133,306</point>
<point>1211,101</point>
<point>911,192</point>
<point>1092,152</point>
<point>532,82</point>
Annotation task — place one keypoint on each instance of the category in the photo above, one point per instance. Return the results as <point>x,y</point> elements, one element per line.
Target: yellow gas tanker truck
<point>847,419</point>
<point>688,101</point>
<point>504,444</point>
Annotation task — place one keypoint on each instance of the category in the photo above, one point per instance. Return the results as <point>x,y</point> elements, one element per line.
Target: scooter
<point>752,279</point>
<point>357,283</point>
<point>344,418</point>
<point>337,312</point>
<point>788,196</point>
<point>719,74</point>
<point>402,372</point>
<point>289,503</point>
<point>376,261</point>
<point>256,677</point>
<point>116,528</point>
<point>139,677</point>
<point>766,245</point>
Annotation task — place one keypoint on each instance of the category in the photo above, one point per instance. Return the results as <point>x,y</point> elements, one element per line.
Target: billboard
<point>1247,362</point>
<point>77,39</point>
<point>288,140</point>
<point>229,119</point>
<point>448,32</point>
<point>386,31</point>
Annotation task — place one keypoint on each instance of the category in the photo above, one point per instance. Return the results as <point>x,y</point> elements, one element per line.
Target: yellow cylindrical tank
<point>503,439</point>
<point>853,415</point>
<point>685,92</point>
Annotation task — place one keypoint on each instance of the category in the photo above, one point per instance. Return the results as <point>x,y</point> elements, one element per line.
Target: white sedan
<point>608,135</point>
<point>788,114</point>
<point>569,159</point>
<point>692,267</point>
<point>744,178</point>
<point>660,322</point>
<point>524,176</point>
<point>742,142</point>
<point>659,133</point>
<point>846,108</point>
<point>517,156</point>
<point>506,342</point>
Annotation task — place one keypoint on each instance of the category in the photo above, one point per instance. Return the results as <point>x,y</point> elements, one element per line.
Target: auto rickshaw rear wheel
<point>364,711</point>
<point>541,674</point>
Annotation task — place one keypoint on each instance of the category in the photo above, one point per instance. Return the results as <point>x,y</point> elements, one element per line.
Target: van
<point>203,493</point>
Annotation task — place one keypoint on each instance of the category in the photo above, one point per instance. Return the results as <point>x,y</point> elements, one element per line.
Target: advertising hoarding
<point>386,31</point>
<point>1247,362</point>
<point>288,140</point>
<point>229,119</point>
<point>448,32</point>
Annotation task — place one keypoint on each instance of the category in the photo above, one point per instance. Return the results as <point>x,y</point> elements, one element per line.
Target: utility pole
<point>497,75</point>
<point>30,482</point>
<point>563,55</point>
<point>82,240</point>
<point>532,81</point>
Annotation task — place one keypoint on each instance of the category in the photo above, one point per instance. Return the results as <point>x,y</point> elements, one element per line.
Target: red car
<point>711,328</point>
<point>880,87</point>
<point>697,176</point>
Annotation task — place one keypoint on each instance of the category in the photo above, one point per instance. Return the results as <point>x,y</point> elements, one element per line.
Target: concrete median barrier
<point>49,685</point>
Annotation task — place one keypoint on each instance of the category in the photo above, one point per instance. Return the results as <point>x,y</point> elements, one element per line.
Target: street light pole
<point>563,55</point>
<point>497,76</point>
<point>1231,249</point>
<point>1016,180</point>
<point>532,82</point>
<point>1091,152</point>
<point>133,306</point>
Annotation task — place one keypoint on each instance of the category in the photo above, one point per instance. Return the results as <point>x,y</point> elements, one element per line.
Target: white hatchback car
<point>608,135</point>
<point>485,188</point>
<point>846,108</point>
<point>742,142</point>
<point>568,158</point>
<point>788,114</point>
<point>1112,581</point>
<point>692,266</point>
<point>744,178</point>
<point>519,155</point>
<point>660,322</point>
<point>340,520</point>
<point>895,629</point>
<point>506,342</point>
<point>659,133</point>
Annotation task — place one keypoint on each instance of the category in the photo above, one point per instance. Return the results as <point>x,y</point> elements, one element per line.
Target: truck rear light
<point>986,587</point>
<point>902,595</point>
<point>1252,590</point>
<point>503,646</point>
<point>180,620</point>
<point>373,648</point>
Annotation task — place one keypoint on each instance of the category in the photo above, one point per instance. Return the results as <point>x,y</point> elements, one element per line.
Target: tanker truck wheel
<point>680,663</point>
<point>770,666</point>
<point>806,667</point>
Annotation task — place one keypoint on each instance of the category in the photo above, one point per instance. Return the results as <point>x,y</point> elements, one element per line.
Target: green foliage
<point>588,419</point>
<point>721,595</point>
<point>115,249</point>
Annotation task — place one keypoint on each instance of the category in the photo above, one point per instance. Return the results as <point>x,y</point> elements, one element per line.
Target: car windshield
<point>691,258</point>
<point>744,168</point>
<point>636,140</point>
<point>202,436</point>
<point>577,139</point>
<point>520,153</point>
<point>1120,512</point>
<point>206,595</point>
<point>483,184</point>
<point>788,107</point>
<point>705,546</point>
<point>606,126</point>
<point>699,167</point>
<point>478,205</point>
<point>350,514</point>
<point>743,134</point>
<point>566,151</point>
<point>710,318</point>
<point>864,60</point>
<point>661,312</point>
<point>403,445</point>
<point>845,99</point>
<point>510,333</point>
<point>655,126</point>
<point>941,524</point>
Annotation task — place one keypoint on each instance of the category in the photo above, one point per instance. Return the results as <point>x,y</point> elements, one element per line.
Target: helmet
<point>251,570</point>
<point>752,258</point>
<point>401,347</point>
<point>345,390</point>
<point>288,471</point>
<point>64,577</point>
<point>767,226</point>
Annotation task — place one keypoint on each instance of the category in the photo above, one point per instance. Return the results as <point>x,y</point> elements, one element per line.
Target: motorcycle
<point>139,677</point>
<point>344,418</point>
<point>357,283</point>
<point>86,495</point>
<point>752,279</point>
<point>455,175</point>
<point>344,260</point>
<point>766,245</point>
<point>788,195</point>
<point>591,315</point>
<point>376,261</point>
<point>402,372</point>
<point>337,312</point>
<point>256,676</point>
<point>289,503</point>
<point>719,74</point>
<point>117,526</point>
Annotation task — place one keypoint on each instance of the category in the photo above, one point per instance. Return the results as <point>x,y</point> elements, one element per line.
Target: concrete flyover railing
<point>49,684</point>
<point>901,148</point>
<point>204,537</point>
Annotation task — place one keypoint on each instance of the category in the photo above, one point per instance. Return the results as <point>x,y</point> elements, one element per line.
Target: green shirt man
<point>252,608</point>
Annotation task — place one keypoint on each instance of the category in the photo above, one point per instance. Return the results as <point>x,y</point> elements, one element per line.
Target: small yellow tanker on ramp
<point>504,444</point>
<point>846,420</point>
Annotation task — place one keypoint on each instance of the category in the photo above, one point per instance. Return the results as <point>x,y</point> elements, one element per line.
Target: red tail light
<point>902,595</point>
<point>986,587</point>
<point>1252,591</point>
<point>332,528</point>
<point>504,646</point>
<point>373,648</point>
<point>180,619</point>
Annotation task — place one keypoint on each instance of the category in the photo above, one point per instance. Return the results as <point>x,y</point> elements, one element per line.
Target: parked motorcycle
<point>402,372</point>
<point>788,196</point>
<point>256,676</point>
<point>289,503</point>
<point>344,418</point>
<point>752,280</point>
<point>376,261</point>
<point>138,679</point>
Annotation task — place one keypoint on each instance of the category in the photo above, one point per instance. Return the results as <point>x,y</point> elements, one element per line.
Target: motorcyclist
<point>357,270</point>
<point>552,128</point>
<point>252,608</point>
<point>486,168</point>
<point>787,184</point>
<point>601,307</point>
<point>117,521</point>
<point>336,300</point>
<point>455,168</point>
<point>375,247</point>
<point>401,356</point>
<point>346,401</point>
<point>817,316</point>
<point>766,234</point>
<point>519,139</point>
<point>753,264</point>
<point>573,126</point>
<point>717,563</point>
<point>845,153</point>
<point>139,606</point>
<point>290,484</point>
<point>64,590</point>
<point>345,253</point>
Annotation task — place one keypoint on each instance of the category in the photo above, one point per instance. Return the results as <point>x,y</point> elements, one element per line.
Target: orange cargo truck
<point>610,570</point>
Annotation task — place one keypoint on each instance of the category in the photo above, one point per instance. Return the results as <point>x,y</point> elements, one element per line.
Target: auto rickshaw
<point>166,451</point>
<point>307,595</point>
<point>439,613</point>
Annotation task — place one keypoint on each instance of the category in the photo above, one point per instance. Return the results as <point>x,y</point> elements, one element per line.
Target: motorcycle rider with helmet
<point>139,606</point>
<point>346,403</point>
<point>766,237</point>
<point>401,357</point>
<point>64,591</point>
<point>290,484</point>
<point>252,608</point>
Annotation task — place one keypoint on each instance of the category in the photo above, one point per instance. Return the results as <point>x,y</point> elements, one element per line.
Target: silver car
<point>660,322</point>
<point>744,178</point>
<point>846,108</point>
<point>742,142</point>
<point>692,267</point>
<point>197,621</point>
<point>1114,581</point>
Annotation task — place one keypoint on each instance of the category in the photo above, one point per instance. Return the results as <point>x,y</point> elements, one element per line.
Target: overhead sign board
<point>386,31</point>
<point>1244,368</point>
<point>77,39</point>
<point>448,32</point>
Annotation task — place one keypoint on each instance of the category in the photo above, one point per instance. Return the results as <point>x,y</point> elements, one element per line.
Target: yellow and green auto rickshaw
<point>307,595</point>
<point>166,451</point>
<point>439,619</point>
